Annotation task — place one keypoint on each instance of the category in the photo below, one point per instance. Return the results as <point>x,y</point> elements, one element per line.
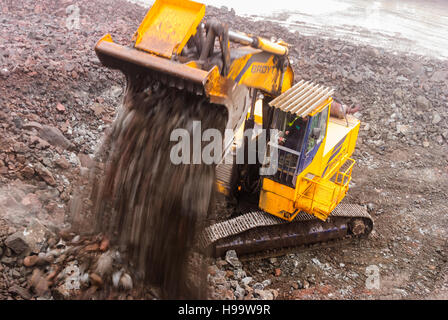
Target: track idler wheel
<point>357,227</point>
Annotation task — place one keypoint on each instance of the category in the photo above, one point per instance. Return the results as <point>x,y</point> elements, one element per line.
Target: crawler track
<point>258,234</point>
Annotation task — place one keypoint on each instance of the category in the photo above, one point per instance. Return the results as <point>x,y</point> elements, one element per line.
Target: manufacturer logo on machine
<point>261,68</point>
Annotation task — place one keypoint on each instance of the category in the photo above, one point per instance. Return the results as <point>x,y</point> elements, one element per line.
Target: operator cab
<point>298,140</point>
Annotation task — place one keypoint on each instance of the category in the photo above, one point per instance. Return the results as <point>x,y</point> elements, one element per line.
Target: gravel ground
<point>57,101</point>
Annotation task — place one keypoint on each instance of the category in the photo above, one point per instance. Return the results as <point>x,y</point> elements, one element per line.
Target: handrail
<point>337,190</point>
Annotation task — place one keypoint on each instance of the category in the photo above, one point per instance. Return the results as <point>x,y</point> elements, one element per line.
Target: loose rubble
<point>57,102</point>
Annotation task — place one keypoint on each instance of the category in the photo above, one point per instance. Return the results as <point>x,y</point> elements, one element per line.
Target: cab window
<point>317,129</point>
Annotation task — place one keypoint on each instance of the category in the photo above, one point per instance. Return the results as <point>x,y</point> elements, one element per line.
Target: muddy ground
<point>57,101</point>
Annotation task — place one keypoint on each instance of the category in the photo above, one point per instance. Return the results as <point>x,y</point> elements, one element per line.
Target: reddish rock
<point>104,244</point>
<point>60,108</point>
<point>98,109</point>
<point>53,274</point>
<point>45,174</point>
<point>51,206</point>
<point>92,247</point>
<point>228,295</point>
<point>30,261</point>
<point>39,283</point>
<point>66,234</point>
<point>27,172</point>
<point>278,272</point>
<point>55,137</point>
<point>3,168</point>
<point>65,126</point>
<point>62,163</point>
<point>211,270</point>
<point>31,200</point>
<point>39,143</point>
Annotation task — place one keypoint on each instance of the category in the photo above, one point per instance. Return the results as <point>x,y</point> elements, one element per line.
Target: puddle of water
<point>417,26</point>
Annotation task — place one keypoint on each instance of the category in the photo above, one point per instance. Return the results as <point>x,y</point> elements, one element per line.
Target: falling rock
<point>228,295</point>
<point>116,278</point>
<point>39,283</point>
<point>62,292</point>
<point>126,282</point>
<point>96,280</point>
<point>104,264</point>
<point>98,109</point>
<point>104,245</point>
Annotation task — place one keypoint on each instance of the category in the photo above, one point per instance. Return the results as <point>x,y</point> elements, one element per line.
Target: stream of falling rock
<point>143,201</point>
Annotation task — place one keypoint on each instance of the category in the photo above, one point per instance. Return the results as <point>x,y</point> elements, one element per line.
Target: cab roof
<point>302,98</point>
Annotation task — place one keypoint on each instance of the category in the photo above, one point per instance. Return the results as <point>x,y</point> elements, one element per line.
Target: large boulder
<point>29,240</point>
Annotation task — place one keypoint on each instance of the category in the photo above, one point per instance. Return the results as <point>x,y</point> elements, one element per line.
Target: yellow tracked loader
<point>299,203</point>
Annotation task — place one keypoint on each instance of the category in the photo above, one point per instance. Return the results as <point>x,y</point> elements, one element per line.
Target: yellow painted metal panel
<point>277,205</point>
<point>278,188</point>
<point>168,26</point>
